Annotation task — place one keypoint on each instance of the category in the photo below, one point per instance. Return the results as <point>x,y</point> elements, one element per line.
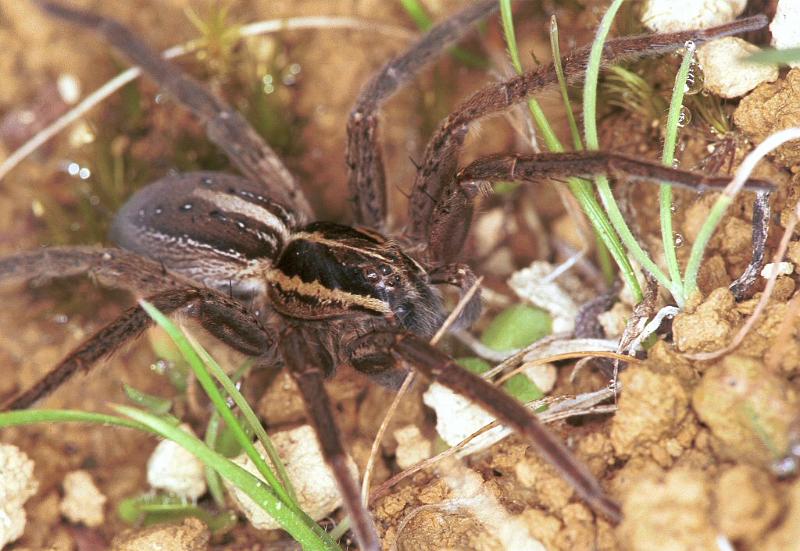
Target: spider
<point>212,245</point>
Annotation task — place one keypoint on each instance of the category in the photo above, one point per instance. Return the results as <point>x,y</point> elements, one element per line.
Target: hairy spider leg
<point>436,175</point>
<point>224,125</point>
<point>224,318</point>
<point>367,176</point>
<point>437,366</point>
<point>115,268</point>
<point>309,364</point>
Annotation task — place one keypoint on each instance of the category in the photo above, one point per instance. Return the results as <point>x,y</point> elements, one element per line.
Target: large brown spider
<point>213,245</point>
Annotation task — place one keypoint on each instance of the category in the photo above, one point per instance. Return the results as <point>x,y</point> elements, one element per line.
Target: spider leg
<point>450,220</point>
<point>224,125</point>
<point>224,318</point>
<point>111,267</point>
<point>435,177</point>
<point>541,166</point>
<point>463,278</point>
<point>367,178</point>
<point>438,366</point>
<point>308,363</point>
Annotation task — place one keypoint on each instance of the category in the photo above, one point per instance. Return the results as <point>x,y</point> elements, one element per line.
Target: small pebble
<point>175,470</point>
<point>785,27</point>
<point>724,71</point>
<point>83,502</point>
<point>680,15</point>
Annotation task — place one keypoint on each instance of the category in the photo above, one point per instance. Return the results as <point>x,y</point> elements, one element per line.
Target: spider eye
<point>385,269</point>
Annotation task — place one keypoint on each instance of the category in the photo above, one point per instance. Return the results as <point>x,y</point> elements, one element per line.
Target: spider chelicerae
<point>243,255</point>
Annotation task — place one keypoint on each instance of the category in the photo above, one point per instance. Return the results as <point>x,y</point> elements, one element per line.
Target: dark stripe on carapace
<point>315,262</point>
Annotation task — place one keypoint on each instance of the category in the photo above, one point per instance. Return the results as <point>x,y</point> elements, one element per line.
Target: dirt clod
<point>787,535</point>
<point>674,508</point>
<point>772,107</point>
<point>651,408</point>
<point>709,326</point>
<point>746,503</point>
<point>748,409</point>
<point>191,535</point>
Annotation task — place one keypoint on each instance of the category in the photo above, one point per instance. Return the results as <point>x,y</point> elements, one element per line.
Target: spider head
<point>328,270</point>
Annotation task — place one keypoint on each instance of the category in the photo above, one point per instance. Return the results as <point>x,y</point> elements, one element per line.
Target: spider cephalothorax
<point>329,270</point>
<point>243,256</point>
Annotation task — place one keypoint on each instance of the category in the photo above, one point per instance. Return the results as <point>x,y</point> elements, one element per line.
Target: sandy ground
<point>689,451</point>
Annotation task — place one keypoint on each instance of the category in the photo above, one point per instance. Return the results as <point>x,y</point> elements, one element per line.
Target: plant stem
<point>592,142</point>
<point>555,48</point>
<point>581,189</point>
<point>667,158</point>
<point>699,246</point>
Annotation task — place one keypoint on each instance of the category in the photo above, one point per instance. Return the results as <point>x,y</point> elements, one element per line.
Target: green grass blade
<point>35,416</point>
<point>205,380</point>
<point>212,477</point>
<point>667,158</point>
<point>769,57</point>
<point>592,142</point>
<point>555,49</point>
<point>154,404</point>
<point>418,14</point>
<point>701,242</point>
<point>310,536</point>
<point>508,31</point>
<point>249,415</point>
<point>212,433</point>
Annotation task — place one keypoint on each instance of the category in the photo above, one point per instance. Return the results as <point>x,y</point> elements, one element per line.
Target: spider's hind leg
<point>111,267</point>
<point>224,125</point>
<point>224,318</point>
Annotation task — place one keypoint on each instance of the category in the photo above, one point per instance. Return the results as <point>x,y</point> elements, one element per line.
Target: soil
<point>691,449</point>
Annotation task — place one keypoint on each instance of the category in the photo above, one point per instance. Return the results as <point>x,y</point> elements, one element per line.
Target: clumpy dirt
<point>690,451</point>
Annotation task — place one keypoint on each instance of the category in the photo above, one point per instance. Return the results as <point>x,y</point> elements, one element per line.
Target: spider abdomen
<point>218,229</point>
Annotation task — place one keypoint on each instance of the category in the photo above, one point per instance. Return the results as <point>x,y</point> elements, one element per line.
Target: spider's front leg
<point>436,175</point>
<point>221,316</point>
<point>367,177</point>
<point>409,349</point>
<point>309,363</point>
<point>451,217</point>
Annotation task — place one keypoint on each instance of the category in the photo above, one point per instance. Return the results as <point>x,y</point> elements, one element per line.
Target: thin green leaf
<point>154,404</point>
<point>303,529</point>
<point>667,158</point>
<point>34,416</point>
<point>205,380</point>
<point>247,412</point>
<point>769,57</point>
<point>147,510</point>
